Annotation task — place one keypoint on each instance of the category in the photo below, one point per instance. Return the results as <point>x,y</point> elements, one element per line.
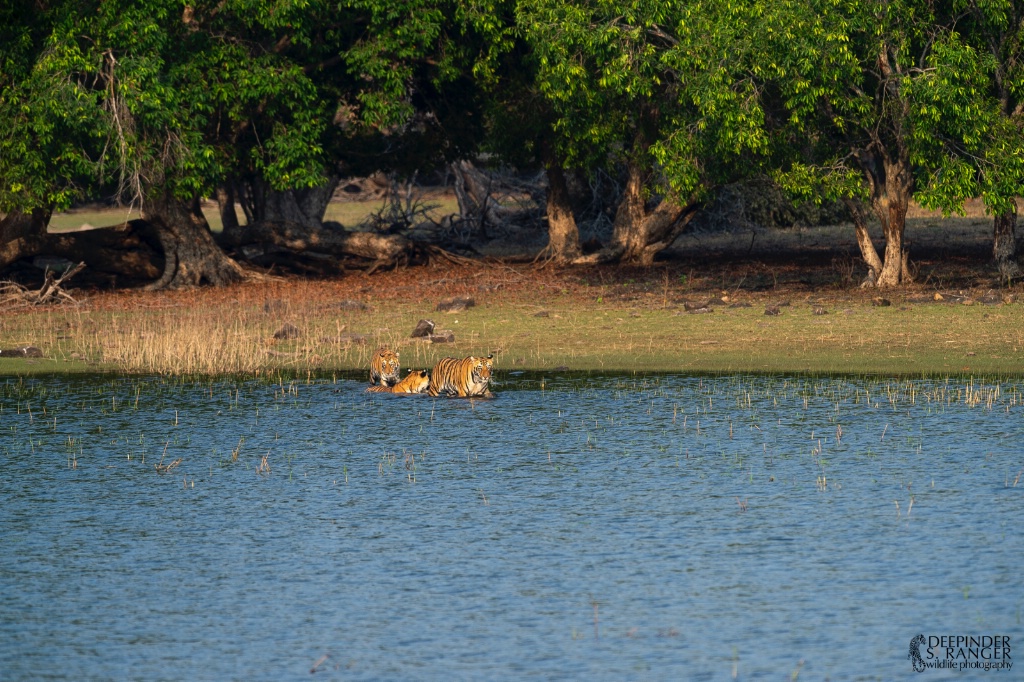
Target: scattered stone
<point>455,304</point>
<point>22,352</point>
<point>818,310</point>
<point>542,313</point>
<point>443,336</point>
<point>424,328</point>
<point>772,310</point>
<point>349,304</point>
<point>351,338</point>
<point>690,306</point>
<point>700,311</point>
<point>991,298</point>
<point>288,331</point>
<point>880,302</point>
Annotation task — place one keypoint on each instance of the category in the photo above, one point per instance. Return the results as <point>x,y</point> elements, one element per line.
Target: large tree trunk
<point>563,235</point>
<point>191,257</point>
<point>891,183</point>
<point>260,203</point>
<point>867,247</point>
<point>226,206</point>
<point>1004,244</point>
<point>130,250</point>
<point>638,234</point>
<point>22,235</point>
<point>303,206</point>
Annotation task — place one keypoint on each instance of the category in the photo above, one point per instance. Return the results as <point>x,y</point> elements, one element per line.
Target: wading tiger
<point>463,378</point>
<point>385,368</point>
<point>415,381</point>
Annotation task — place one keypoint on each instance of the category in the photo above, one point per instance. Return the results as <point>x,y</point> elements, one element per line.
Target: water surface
<point>578,527</point>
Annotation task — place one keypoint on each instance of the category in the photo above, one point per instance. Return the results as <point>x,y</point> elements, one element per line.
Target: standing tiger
<point>415,381</point>
<point>463,378</point>
<point>385,368</point>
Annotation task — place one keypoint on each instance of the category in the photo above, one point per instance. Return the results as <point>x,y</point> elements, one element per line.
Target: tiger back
<point>465,378</point>
<point>385,368</point>
<point>415,381</point>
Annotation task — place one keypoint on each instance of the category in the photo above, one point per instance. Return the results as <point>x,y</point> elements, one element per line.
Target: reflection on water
<point>588,527</point>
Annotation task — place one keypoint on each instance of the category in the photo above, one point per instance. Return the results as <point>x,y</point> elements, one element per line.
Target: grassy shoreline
<point>530,320</point>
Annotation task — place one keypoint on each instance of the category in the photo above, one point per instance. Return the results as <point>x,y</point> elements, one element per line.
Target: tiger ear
<point>490,356</point>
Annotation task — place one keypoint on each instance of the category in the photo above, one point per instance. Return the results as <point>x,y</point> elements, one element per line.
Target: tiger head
<point>385,367</point>
<point>482,369</point>
<point>416,381</point>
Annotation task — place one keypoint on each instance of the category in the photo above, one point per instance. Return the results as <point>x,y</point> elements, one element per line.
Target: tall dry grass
<point>232,339</point>
<point>212,339</point>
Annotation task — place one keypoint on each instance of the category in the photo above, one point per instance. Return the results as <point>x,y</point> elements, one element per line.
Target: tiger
<point>463,378</point>
<point>385,368</point>
<point>415,381</point>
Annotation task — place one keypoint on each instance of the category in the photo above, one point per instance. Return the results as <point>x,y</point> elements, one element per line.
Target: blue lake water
<point>577,527</point>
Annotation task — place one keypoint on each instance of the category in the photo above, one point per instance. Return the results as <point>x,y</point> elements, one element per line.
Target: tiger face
<point>482,369</point>
<point>416,381</point>
<point>385,367</point>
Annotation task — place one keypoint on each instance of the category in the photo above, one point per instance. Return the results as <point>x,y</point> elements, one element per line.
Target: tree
<point>879,100</point>
<point>151,98</point>
<point>663,90</point>
<point>996,29</point>
<point>404,102</point>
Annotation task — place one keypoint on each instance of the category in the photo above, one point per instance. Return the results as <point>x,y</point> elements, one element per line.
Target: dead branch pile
<point>14,295</point>
<point>492,201</point>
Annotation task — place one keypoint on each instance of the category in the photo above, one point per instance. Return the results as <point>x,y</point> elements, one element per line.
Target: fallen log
<point>301,238</point>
